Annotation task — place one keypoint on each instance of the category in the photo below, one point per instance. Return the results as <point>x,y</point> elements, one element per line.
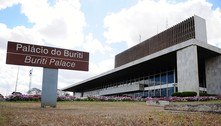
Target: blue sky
<point>216,3</point>
<point>12,17</point>
<point>102,27</point>
<point>95,10</point>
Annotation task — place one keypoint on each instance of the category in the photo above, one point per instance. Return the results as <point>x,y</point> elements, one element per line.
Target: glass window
<point>170,91</point>
<point>171,77</point>
<point>164,92</point>
<point>151,81</point>
<point>146,82</point>
<point>145,94</point>
<point>151,93</point>
<point>157,79</point>
<point>163,78</point>
<point>157,92</point>
<point>137,94</point>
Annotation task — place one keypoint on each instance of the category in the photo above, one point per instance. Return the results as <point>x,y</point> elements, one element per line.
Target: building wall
<point>187,69</point>
<point>213,75</point>
<point>200,29</point>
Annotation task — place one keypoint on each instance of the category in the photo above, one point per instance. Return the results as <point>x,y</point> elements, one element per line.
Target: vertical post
<point>16,83</point>
<point>49,87</point>
<point>30,74</point>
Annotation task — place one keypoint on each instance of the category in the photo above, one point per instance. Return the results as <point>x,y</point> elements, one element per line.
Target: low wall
<point>216,108</point>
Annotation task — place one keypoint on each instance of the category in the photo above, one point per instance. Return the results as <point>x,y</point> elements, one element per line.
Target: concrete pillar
<point>213,75</point>
<point>49,87</point>
<point>187,69</point>
<point>200,29</point>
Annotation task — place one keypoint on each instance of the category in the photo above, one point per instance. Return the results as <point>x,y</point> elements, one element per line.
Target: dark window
<point>146,82</point>
<point>157,79</point>
<point>151,80</point>
<point>163,78</point>
<point>151,93</point>
<point>170,91</point>
<point>157,92</point>
<point>171,77</point>
<point>163,92</point>
<point>145,94</point>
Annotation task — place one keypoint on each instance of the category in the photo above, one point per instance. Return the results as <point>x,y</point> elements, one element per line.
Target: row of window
<point>148,81</point>
<point>167,77</point>
<point>160,79</point>
<point>164,92</point>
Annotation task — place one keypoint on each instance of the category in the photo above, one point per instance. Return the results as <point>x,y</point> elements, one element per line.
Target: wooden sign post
<point>51,59</point>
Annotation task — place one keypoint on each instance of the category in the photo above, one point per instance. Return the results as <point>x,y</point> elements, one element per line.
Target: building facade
<point>175,60</point>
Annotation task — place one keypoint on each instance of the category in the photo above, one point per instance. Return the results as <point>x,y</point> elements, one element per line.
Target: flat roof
<point>130,70</point>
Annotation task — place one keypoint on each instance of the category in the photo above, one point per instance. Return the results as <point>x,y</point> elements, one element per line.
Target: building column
<point>187,69</point>
<point>200,29</point>
<point>213,75</point>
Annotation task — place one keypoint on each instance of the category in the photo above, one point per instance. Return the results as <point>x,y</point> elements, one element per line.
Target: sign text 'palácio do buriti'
<point>48,57</point>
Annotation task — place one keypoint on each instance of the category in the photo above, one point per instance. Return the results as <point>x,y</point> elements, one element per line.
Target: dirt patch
<point>99,113</point>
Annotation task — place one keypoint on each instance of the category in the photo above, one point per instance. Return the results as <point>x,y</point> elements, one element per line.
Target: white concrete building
<point>175,60</point>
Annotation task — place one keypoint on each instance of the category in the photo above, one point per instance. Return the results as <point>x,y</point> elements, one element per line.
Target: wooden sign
<point>48,57</point>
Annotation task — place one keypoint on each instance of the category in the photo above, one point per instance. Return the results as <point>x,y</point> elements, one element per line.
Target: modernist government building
<point>175,60</point>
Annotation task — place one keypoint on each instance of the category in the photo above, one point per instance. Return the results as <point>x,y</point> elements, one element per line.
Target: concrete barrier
<point>216,108</point>
<point>157,103</point>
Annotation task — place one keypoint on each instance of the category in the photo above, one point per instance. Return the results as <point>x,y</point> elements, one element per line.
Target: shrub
<point>188,94</point>
<point>205,94</point>
<point>23,98</point>
<point>184,94</point>
<point>177,94</point>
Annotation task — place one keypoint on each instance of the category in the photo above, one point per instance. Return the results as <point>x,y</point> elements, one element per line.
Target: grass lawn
<point>99,113</point>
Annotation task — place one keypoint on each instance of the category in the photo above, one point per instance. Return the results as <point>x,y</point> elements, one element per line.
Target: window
<point>157,79</point>
<point>145,94</point>
<point>171,77</point>
<point>170,91</point>
<point>164,92</point>
<point>157,92</point>
<point>146,82</point>
<point>151,93</point>
<point>151,80</point>
<point>163,78</point>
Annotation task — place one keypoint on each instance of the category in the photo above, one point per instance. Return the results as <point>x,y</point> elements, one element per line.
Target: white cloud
<point>93,45</point>
<point>61,24</point>
<point>149,17</point>
<point>7,3</point>
<point>100,67</point>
